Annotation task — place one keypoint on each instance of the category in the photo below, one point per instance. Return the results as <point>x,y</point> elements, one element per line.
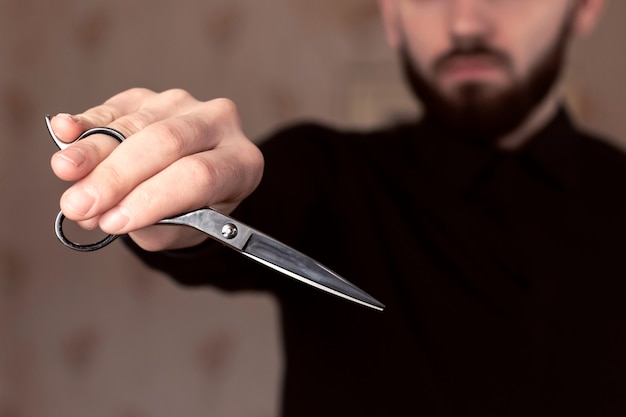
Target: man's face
<point>481,66</point>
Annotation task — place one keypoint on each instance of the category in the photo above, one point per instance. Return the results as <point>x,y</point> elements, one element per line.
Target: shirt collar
<point>553,152</point>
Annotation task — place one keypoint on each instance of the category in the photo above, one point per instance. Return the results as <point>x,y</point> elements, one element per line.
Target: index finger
<point>128,112</point>
<point>68,127</point>
<point>93,131</point>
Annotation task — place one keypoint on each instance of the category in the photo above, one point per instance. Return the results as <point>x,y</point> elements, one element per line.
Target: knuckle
<point>132,124</point>
<point>112,176</point>
<point>169,138</point>
<point>101,115</point>
<point>138,93</point>
<point>176,95</point>
<point>205,174</point>
<point>224,107</point>
<point>144,196</point>
<point>254,157</point>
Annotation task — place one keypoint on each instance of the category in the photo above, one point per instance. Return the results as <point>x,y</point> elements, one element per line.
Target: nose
<point>468,20</point>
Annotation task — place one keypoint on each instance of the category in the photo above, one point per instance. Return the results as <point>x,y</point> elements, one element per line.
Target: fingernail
<point>80,201</point>
<point>115,220</point>
<point>74,156</point>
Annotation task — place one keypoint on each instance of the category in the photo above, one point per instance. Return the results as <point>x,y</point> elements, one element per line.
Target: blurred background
<point>97,334</point>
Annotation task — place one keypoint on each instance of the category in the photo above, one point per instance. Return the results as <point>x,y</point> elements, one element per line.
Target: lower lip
<point>472,71</point>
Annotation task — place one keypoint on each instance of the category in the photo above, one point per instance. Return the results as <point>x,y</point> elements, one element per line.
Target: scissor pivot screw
<point>229,231</point>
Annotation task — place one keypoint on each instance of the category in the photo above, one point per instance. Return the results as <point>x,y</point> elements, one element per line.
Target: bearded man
<point>490,228</point>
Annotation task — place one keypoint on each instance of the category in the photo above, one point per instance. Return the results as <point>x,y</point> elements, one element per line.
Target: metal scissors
<point>238,236</point>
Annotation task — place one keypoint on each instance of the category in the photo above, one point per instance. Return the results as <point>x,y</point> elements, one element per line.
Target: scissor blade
<point>272,253</point>
<point>290,262</point>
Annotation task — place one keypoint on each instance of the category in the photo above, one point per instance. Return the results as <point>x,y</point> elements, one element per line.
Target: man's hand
<point>180,154</point>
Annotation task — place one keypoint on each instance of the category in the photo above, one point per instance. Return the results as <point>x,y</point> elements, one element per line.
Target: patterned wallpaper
<point>98,334</point>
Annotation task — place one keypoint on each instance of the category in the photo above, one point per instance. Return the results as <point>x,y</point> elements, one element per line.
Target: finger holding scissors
<point>181,154</point>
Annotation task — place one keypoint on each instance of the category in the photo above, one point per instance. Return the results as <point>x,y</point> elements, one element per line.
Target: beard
<point>475,110</point>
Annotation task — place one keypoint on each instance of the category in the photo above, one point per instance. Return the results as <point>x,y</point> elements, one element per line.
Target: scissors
<point>235,235</point>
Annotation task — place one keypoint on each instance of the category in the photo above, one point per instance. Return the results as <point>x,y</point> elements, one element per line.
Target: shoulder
<point>307,135</point>
<point>604,150</point>
<point>305,138</point>
<point>603,159</point>
<point>314,162</point>
<point>331,142</point>
<point>604,170</point>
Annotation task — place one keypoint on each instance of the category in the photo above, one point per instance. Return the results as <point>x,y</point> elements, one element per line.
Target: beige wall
<point>98,334</point>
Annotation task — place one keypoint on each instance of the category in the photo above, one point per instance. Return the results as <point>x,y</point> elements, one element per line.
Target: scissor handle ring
<point>58,229</point>
<point>58,224</point>
<point>109,131</point>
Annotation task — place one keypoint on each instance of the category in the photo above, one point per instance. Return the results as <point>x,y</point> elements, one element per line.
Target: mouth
<point>471,68</point>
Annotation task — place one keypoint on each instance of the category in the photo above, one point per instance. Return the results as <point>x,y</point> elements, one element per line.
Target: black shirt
<point>502,272</point>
